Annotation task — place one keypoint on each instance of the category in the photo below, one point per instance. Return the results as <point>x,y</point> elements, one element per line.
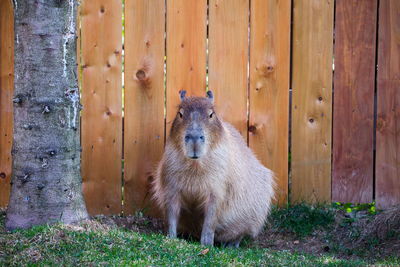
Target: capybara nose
<point>194,138</point>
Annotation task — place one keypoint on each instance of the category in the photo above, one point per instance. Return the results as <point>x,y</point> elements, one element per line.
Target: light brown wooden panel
<point>144,98</point>
<point>6,96</point>
<point>388,122</point>
<point>354,83</point>
<point>228,58</point>
<point>269,87</point>
<point>186,52</point>
<point>102,108</point>
<point>312,100</point>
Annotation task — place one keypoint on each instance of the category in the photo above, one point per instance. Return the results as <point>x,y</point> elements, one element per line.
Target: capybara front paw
<point>207,240</point>
<point>231,244</point>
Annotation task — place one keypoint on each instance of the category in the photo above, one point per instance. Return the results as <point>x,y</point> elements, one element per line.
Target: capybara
<point>209,184</point>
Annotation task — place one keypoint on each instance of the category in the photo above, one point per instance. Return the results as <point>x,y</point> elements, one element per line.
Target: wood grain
<point>388,121</point>
<point>228,58</point>
<point>102,108</point>
<point>144,99</point>
<point>312,100</point>
<point>186,52</point>
<point>269,88</point>
<point>354,81</point>
<point>6,96</point>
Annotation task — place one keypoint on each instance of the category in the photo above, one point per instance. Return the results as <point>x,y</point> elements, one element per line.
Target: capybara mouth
<point>194,157</point>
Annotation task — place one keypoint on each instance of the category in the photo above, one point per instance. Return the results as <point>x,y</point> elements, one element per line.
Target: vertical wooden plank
<point>6,95</point>
<point>144,98</point>
<point>388,121</point>
<point>228,58</point>
<point>186,51</point>
<point>354,82</point>
<point>101,97</point>
<point>269,87</point>
<point>312,100</point>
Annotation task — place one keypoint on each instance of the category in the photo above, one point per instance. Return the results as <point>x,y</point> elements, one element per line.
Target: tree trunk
<point>46,182</point>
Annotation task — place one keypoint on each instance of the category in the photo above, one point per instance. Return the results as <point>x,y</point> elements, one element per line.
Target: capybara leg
<point>232,244</point>
<point>207,233</point>
<point>173,210</point>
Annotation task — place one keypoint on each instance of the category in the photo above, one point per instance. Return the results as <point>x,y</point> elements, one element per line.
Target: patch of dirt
<point>136,223</point>
<point>362,236</point>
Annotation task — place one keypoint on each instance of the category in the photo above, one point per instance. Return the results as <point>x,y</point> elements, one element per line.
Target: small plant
<point>354,208</point>
<point>301,219</point>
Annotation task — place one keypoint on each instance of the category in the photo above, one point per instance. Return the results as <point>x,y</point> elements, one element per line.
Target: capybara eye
<point>187,138</point>
<point>211,114</point>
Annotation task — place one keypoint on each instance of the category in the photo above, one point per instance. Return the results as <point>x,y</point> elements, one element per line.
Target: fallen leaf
<point>204,252</point>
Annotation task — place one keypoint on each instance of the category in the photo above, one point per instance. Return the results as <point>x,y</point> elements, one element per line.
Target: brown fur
<point>227,192</point>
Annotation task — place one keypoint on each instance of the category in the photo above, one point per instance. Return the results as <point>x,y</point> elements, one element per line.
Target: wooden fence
<point>313,86</point>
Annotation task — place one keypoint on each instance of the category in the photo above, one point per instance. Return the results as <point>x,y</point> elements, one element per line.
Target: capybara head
<point>196,128</point>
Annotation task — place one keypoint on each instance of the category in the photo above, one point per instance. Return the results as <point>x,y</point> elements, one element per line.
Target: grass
<point>96,243</point>
<point>302,219</point>
<point>80,245</point>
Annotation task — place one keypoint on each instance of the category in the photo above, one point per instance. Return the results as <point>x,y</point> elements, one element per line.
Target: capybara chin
<point>209,184</point>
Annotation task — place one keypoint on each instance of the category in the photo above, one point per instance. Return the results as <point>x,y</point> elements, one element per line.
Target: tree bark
<point>46,181</point>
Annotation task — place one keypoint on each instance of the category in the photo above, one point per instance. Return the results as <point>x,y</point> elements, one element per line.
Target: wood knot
<point>147,44</point>
<point>102,9</point>
<point>380,122</point>
<point>2,175</point>
<point>267,69</point>
<point>252,129</point>
<point>141,75</point>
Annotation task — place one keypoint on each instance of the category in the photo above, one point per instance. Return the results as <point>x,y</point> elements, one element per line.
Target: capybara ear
<point>182,94</point>
<point>210,96</point>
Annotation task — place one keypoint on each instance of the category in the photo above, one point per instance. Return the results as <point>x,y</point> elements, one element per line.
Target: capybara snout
<point>195,145</point>
<point>209,183</point>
